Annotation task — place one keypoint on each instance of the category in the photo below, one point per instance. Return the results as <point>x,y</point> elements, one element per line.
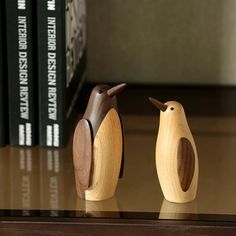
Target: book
<point>21,72</point>
<point>61,65</point>
<point>3,84</point>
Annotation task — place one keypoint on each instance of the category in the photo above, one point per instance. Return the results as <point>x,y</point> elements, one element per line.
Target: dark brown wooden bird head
<point>102,99</point>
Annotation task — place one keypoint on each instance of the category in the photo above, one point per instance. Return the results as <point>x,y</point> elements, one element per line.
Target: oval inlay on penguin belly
<point>185,163</point>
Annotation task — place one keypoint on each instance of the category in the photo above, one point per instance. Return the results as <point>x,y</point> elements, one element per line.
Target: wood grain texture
<point>98,106</point>
<point>186,163</point>
<point>173,127</point>
<point>107,155</point>
<point>114,227</point>
<point>82,156</point>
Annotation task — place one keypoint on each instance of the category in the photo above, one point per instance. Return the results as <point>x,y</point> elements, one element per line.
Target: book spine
<point>51,71</point>
<point>21,77</point>
<point>61,61</point>
<point>3,84</point>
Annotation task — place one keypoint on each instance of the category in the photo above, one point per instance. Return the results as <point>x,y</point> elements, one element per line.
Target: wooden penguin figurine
<point>176,154</point>
<point>98,145</point>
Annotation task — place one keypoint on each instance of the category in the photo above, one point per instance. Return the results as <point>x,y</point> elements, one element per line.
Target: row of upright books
<point>43,65</point>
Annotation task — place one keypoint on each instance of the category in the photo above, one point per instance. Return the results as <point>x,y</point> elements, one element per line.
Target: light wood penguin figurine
<point>176,154</point>
<point>98,145</point>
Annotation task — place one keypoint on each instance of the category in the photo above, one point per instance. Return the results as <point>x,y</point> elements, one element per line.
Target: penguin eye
<point>100,91</point>
<point>172,108</point>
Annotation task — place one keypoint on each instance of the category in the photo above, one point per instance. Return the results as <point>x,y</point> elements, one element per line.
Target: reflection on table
<point>43,179</point>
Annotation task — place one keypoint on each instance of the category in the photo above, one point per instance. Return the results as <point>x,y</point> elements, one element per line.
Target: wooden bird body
<point>98,145</point>
<point>176,154</point>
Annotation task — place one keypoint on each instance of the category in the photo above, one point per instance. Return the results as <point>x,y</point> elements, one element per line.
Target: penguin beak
<point>158,104</point>
<point>115,90</point>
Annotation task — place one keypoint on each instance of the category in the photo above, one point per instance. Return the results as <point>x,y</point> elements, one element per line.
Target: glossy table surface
<point>40,182</point>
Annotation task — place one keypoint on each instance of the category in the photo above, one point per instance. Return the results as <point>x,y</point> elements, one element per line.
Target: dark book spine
<point>61,60</point>
<point>21,77</point>
<point>51,71</point>
<point>3,84</point>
